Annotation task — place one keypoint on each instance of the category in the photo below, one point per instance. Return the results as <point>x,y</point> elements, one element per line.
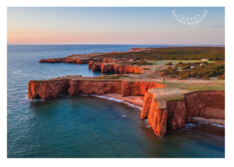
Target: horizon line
<point>128,44</point>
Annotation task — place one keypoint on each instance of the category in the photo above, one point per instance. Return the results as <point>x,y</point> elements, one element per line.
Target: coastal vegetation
<point>157,74</point>
<point>138,63</point>
<point>172,53</point>
<point>108,77</point>
<point>198,70</point>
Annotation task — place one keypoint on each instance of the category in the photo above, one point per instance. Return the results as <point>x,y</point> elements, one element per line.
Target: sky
<point>114,25</point>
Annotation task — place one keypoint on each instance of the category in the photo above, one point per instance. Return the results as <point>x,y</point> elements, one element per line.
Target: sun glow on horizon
<point>110,26</point>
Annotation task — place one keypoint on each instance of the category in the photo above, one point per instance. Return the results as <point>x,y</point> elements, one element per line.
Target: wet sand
<point>136,100</point>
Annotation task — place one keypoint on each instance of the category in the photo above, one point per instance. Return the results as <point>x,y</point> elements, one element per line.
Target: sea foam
<point>117,100</point>
<point>218,125</point>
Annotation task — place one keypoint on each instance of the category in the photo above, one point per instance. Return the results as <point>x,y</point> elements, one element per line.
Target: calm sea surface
<point>87,126</point>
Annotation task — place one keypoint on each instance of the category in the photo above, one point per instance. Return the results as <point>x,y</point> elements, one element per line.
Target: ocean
<point>88,126</point>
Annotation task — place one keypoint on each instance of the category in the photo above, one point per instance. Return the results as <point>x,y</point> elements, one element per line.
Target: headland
<point>172,85</point>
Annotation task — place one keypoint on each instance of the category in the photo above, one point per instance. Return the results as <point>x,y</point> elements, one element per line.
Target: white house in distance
<point>204,59</point>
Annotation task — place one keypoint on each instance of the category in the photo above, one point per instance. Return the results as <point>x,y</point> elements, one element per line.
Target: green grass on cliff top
<point>163,62</point>
<point>173,90</point>
<point>176,91</point>
<point>194,87</point>
<point>207,85</point>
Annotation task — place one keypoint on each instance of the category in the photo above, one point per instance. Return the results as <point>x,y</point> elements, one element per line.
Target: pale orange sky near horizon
<point>110,26</point>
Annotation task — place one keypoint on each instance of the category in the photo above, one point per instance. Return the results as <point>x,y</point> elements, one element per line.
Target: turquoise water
<point>87,126</point>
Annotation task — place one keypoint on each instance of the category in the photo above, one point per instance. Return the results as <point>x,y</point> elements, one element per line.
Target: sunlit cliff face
<point>206,104</point>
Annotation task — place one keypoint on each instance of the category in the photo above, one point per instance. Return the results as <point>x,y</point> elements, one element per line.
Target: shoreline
<point>135,100</point>
<point>116,99</point>
<point>138,101</point>
<point>165,104</point>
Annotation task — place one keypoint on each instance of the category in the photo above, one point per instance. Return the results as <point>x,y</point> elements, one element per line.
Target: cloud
<point>217,26</point>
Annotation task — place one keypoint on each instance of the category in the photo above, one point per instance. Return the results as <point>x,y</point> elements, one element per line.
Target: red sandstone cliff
<point>114,68</point>
<point>127,69</point>
<point>207,104</point>
<point>90,64</point>
<point>108,60</point>
<point>157,117</point>
<point>146,105</point>
<point>52,88</point>
<point>78,61</point>
<point>94,87</point>
<point>69,60</point>
<point>103,65</point>
<point>176,113</point>
<point>47,89</point>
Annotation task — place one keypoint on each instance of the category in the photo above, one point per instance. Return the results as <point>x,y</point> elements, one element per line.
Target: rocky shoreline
<point>160,113</point>
<point>163,106</point>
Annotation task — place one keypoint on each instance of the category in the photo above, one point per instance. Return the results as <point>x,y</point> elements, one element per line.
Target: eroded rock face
<point>78,61</point>
<point>55,60</point>
<point>157,118</point>
<point>207,104</point>
<point>107,68</point>
<point>104,65</point>
<point>94,87</point>
<point>127,69</point>
<point>138,88</point>
<point>47,89</point>
<point>146,105</point>
<point>176,112</point>
<point>90,65</point>
<point>96,66</point>
<point>113,68</point>
<point>52,88</point>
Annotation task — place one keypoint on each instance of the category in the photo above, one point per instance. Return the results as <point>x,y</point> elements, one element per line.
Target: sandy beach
<point>136,100</point>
